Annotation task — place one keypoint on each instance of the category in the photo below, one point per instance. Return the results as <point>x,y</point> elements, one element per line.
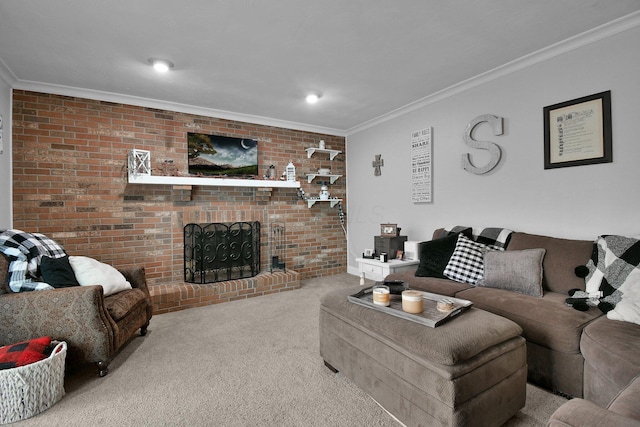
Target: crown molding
<point>169,106</point>
<point>6,75</point>
<point>583,39</point>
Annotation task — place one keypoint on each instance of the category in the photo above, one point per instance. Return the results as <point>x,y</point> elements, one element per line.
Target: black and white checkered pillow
<point>466,264</point>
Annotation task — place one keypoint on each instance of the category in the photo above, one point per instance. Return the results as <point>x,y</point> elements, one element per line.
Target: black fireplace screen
<point>221,251</point>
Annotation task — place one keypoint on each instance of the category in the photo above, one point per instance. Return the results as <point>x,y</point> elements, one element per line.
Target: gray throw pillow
<point>518,271</point>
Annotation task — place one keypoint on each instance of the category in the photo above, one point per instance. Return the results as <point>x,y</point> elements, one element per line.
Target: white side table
<point>376,270</point>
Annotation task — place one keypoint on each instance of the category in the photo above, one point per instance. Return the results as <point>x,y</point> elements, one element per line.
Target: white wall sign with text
<point>421,166</point>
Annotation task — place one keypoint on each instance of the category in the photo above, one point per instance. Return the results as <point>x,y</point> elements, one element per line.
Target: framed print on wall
<point>578,132</point>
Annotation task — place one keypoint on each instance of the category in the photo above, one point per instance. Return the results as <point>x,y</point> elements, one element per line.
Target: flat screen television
<point>222,155</point>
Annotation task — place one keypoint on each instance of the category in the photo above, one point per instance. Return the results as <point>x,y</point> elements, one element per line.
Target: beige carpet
<point>247,363</point>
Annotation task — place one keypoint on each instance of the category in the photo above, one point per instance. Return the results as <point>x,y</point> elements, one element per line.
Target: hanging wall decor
<point>421,166</point>
<point>377,164</point>
<point>578,132</point>
<point>493,148</point>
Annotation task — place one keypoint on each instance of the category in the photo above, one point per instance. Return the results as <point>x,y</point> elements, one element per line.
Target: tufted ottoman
<point>470,371</point>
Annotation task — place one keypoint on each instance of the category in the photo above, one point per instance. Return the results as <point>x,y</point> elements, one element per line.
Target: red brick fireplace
<point>70,182</point>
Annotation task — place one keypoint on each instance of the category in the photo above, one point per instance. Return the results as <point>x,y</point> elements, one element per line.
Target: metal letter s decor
<point>494,149</point>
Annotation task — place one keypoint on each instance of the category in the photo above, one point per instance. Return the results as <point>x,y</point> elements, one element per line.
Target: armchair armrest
<point>579,412</point>
<point>136,276</point>
<point>76,315</point>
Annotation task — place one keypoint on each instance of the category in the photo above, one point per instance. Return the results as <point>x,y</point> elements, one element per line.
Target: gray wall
<point>5,157</point>
<point>573,202</point>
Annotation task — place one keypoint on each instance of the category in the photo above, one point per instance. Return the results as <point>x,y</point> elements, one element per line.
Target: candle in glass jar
<point>381,295</point>
<point>412,302</point>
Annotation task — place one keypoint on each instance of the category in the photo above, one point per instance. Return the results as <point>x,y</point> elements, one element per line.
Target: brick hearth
<point>180,296</point>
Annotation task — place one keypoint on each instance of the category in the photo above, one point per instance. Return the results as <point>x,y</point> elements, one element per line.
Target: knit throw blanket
<point>24,251</point>
<point>494,236</point>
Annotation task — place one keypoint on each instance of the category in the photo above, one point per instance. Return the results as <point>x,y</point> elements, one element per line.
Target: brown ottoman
<point>470,371</point>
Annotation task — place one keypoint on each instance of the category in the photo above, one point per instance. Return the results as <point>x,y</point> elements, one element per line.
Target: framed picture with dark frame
<point>389,230</point>
<point>578,132</point>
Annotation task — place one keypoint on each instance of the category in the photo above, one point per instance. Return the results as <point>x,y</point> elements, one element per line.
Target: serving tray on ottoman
<point>468,372</point>
<point>430,316</point>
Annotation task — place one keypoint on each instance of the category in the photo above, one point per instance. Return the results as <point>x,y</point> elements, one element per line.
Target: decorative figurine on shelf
<point>321,144</point>
<point>324,192</point>
<point>290,172</point>
<point>271,172</point>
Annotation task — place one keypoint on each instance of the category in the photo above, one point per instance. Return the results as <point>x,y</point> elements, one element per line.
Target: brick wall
<point>70,182</point>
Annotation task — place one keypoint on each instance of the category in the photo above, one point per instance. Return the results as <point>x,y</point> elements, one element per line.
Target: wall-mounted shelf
<point>332,178</point>
<point>333,202</point>
<point>332,153</point>
<point>220,182</point>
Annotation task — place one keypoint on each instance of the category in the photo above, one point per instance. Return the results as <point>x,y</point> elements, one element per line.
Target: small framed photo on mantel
<point>578,132</point>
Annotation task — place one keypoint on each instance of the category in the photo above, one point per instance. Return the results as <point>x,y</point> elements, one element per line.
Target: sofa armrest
<point>579,412</point>
<point>137,277</point>
<point>76,315</point>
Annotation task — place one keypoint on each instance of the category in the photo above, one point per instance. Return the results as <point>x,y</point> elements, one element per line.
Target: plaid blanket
<point>24,251</point>
<point>489,236</point>
<point>614,262</point>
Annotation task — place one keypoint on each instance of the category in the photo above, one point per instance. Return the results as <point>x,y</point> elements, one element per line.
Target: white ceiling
<point>257,59</point>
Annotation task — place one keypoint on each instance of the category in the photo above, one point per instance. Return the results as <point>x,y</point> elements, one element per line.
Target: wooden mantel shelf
<point>220,182</point>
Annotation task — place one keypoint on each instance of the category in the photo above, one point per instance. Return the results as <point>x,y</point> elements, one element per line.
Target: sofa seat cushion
<point>429,284</point>
<point>612,347</point>
<point>546,320</point>
<point>449,344</point>
<point>561,258</point>
<point>121,304</point>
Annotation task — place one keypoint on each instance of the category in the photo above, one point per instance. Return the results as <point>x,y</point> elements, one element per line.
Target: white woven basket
<point>28,390</point>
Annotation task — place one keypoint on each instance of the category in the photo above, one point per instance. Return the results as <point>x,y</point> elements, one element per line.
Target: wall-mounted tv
<point>222,155</point>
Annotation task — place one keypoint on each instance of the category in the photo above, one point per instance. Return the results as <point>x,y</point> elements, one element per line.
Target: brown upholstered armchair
<point>95,327</point>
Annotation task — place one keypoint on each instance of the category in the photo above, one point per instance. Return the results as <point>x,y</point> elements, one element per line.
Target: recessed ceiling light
<point>312,98</point>
<point>161,65</point>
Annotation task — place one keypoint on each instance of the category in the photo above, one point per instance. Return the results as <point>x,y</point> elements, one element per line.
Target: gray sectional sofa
<point>581,354</point>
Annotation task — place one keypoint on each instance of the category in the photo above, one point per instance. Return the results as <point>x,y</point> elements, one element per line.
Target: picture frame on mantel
<point>578,132</point>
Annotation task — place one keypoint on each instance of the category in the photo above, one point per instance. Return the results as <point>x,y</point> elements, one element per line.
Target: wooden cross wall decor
<point>377,163</point>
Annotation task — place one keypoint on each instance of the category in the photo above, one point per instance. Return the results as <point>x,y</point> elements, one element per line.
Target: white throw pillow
<point>628,309</point>
<point>90,272</point>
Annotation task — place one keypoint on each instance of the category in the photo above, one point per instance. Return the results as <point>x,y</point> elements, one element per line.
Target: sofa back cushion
<point>561,258</point>
<point>440,232</point>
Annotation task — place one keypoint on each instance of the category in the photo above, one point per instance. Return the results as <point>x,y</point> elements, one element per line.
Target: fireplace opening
<point>221,251</point>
